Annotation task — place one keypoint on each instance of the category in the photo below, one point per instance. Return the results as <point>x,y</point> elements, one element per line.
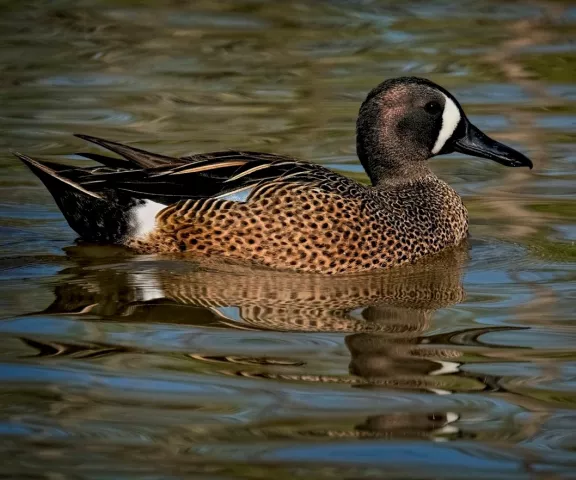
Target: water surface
<point>122,366</point>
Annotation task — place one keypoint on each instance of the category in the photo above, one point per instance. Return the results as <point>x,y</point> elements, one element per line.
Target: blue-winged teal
<point>282,212</point>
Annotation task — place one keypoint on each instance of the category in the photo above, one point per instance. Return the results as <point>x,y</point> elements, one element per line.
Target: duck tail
<point>135,156</point>
<point>95,216</point>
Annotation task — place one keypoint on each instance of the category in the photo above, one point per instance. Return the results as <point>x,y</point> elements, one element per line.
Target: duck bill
<point>477,144</point>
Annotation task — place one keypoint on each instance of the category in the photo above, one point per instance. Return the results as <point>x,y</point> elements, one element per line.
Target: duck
<point>281,212</point>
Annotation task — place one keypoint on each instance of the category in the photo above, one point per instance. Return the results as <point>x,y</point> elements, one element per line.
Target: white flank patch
<point>447,430</point>
<point>451,417</point>
<point>440,391</point>
<point>450,119</point>
<point>446,367</point>
<point>144,217</point>
<point>147,286</point>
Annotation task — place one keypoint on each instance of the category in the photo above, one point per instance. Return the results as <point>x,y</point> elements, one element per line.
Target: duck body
<point>327,223</point>
<point>281,212</point>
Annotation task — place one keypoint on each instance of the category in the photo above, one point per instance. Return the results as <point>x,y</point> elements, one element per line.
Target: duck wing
<point>134,156</point>
<point>106,203</point>
<point>227,174</point>
<point>144,175</point>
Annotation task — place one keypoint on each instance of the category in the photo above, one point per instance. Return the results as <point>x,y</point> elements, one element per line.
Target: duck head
<point>405,121</point>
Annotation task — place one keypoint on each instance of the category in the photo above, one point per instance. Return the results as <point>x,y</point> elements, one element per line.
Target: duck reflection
<point>384,316</point>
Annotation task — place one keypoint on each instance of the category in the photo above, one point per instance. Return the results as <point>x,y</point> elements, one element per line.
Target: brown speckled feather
<point>318,221</point>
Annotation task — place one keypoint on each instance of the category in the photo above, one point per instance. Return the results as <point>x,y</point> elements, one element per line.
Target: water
<point>123,366</point>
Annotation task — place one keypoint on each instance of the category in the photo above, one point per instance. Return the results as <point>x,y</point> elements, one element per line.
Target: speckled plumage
<point>320,222</point>
<point>284,213</point>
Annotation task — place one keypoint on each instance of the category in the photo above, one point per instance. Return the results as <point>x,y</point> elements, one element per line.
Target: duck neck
<point>386,157</point>
<point>385,167</point>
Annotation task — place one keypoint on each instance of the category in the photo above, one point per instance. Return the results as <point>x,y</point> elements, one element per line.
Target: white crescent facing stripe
<point>450,119</point>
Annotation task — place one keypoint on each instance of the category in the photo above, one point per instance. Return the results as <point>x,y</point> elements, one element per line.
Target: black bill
<point>477,144</point>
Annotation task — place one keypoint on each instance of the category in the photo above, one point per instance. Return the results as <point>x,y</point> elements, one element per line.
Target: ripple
<point>116,366</point>
<point>87,80</point>
<point>423,458</point>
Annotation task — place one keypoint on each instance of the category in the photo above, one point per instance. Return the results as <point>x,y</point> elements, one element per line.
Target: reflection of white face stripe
<point>450,120</point>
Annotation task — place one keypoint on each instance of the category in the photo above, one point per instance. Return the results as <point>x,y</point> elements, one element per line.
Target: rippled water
<point>123,366</point>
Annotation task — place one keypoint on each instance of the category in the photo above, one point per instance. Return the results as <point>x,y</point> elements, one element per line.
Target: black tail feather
<point>95,216</point>
<point>139,157</point>
<point>51,177</point>
<point>110,162</point>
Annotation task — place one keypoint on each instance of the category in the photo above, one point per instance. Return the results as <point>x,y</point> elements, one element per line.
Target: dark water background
<point>116,366</point>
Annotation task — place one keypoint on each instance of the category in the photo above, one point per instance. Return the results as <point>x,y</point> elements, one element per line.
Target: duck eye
<point>433,107</point>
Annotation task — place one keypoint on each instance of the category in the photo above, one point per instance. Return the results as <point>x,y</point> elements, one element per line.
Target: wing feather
<point>206,168</point>
<point>224,176</point>
<point>140,158</point>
